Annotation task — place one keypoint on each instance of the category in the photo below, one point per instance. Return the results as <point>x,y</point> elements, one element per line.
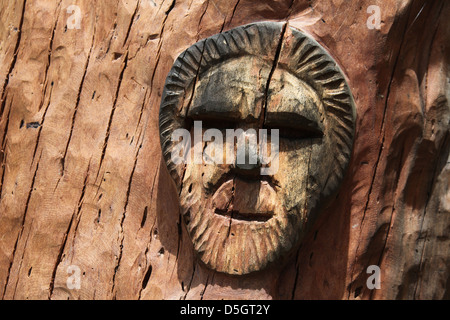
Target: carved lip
<point>245,216</point>
<point>245,200</point>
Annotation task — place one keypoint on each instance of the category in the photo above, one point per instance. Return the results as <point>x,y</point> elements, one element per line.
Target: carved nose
<point>247,159</point>
<point>248,166</point>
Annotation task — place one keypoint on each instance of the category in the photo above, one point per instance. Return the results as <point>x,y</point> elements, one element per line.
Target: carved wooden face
<point>260,76</point>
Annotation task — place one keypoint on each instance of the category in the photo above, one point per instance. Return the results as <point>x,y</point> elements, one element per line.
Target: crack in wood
<point>3,150</point>
<point>21,231</point>
<point>382,130</point>
<point>36,144</point>
<point>131,22</point>
<point>160,43</point>
<point>77,103</point>
<point>65,236</point>
<point>49,55</point>
<point>122,235</point>
<point>113,109</point>
<point>14,60</point>
<point>272,70</point>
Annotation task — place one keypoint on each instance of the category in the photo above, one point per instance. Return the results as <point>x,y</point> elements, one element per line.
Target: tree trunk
<point>84,191</point>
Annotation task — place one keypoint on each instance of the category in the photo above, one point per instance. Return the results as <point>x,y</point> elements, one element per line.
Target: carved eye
<point>297,134</point>
<point>293,107</point>
<point>293,125</point>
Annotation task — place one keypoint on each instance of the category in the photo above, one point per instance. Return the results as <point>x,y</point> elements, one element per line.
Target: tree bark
<point>83,184</point>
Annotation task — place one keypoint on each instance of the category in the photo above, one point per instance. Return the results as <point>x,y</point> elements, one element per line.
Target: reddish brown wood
<point>82,181</point>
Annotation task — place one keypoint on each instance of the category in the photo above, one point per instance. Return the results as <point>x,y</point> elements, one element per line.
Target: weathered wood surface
<point>82,181</point>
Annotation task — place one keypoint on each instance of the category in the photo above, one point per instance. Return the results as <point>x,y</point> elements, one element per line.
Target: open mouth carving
<point>245,216</point>
<point>245,200</point>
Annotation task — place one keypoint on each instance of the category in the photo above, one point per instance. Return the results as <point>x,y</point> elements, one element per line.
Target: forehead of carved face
<point>240,220</point>
<point>236,91</point>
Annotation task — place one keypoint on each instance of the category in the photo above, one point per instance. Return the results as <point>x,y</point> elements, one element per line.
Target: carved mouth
<point>244,200</point>
<point>245,216</point>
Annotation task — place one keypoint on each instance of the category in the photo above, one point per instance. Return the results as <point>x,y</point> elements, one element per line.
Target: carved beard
<point>238,226</point>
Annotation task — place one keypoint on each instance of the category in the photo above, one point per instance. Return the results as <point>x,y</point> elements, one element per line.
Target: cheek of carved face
<point>238,219</point>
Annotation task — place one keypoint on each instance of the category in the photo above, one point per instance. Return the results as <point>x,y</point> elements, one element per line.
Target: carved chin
<point>240,229</point>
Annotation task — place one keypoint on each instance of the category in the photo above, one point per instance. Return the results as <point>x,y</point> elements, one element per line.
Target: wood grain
<point>83,183</point>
